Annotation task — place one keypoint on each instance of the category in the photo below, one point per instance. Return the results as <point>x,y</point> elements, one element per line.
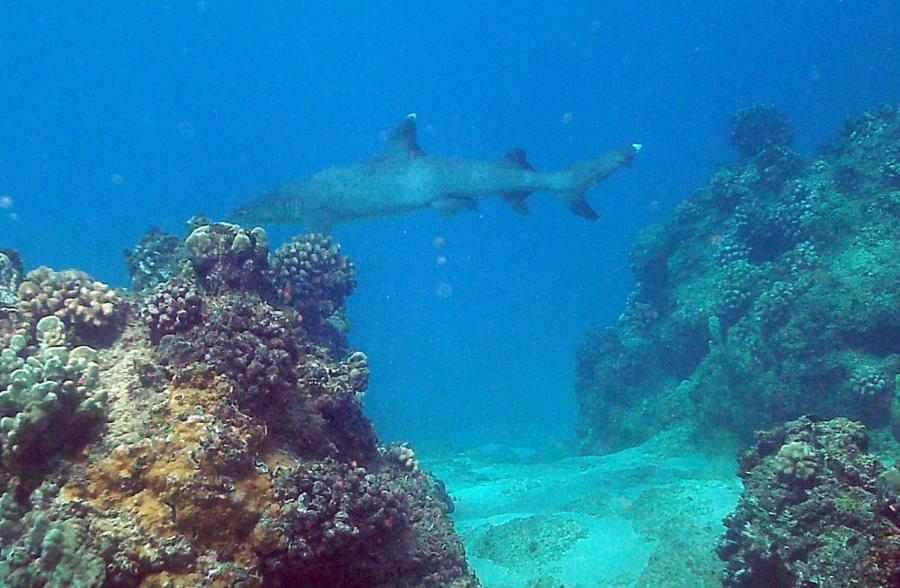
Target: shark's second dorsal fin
<point>403,141</point>
<point>516,158</point>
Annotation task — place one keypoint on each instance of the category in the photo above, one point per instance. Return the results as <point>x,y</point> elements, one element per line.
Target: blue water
<point>114,120</point>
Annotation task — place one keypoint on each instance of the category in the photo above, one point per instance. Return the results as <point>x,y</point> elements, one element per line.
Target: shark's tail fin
<point>581,177</point>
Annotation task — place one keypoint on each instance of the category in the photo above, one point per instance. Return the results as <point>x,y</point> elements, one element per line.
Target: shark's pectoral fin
<point>403,141</point>
<point>449,206</point>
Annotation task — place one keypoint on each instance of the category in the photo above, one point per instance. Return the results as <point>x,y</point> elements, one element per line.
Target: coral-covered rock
<point>817,510</point>
<point>226,257</point>
<point>759,127</point>
<point>186,487</point>
<point>775,287</point>
<point>235,452</point>
<point>246,340</point>
<point>155,259</point>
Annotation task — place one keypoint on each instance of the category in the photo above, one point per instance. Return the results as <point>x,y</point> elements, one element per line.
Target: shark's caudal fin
<point>583,176</point>
<point>516,158</point>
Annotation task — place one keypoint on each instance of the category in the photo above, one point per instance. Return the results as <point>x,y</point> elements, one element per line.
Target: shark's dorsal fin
<point>516,158</point>
<point>403,141</point>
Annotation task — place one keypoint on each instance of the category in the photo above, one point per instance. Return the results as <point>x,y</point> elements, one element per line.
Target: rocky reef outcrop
<point>817,510</point>
<point>771,293</point>
<point>212,434</point>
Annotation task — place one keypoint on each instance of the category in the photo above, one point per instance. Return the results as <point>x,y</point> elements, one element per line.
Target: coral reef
<point>817,510</point>
<point>37,551</point>
<point>226,257</point>
<point>235,451</point>
<point>155,259</point>
<point>774,287</point>
<point>758,128</point>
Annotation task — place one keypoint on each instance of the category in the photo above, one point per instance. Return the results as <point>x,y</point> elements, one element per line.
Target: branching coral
<point>52,554</point>
<point>247,341</point>
<point>338,513</point>
<point>312,276</point>
<point>171,307</point>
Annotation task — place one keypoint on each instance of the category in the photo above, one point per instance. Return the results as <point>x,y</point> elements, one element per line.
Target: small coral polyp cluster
<point>212,436</point>
<point>771,293</point>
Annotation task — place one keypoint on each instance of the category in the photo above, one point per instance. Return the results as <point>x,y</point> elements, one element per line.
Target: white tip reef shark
<point>402,178</point>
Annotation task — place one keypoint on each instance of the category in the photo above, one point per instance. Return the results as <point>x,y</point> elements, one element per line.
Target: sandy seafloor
<point>646,516</point>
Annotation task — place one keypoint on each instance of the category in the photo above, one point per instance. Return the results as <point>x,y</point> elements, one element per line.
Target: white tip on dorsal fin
<point>402,141</point>
<point>637,146</point>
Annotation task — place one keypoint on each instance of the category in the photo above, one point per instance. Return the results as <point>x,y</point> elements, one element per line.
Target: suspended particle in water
<point>12,216</point>
<point>6,201</point>
<point>438,241</point>
<point>444,290</point>
<point>116,179</point>
<point>441,260</point>
<point>186,129</point>
<point>567,118</point>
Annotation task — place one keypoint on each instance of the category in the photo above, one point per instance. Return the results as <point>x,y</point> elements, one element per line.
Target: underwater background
<point>142,114</point>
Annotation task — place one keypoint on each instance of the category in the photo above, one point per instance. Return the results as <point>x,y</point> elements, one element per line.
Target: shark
<point>403,178</point>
